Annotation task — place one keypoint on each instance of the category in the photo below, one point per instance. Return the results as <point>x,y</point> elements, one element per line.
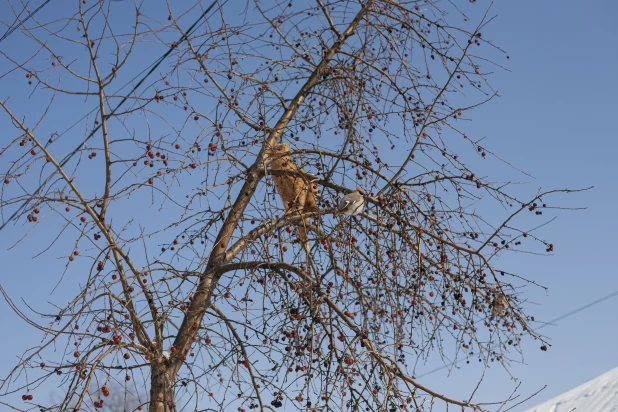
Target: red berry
<point>33,152</point>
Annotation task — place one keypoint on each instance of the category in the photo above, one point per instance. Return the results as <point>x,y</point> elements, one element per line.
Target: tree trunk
<point>161,388</point>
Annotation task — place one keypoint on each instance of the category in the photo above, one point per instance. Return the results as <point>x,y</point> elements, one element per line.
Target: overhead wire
<point>573,312</point>
<point>551,322</point>
<point>21,22</point>
<point>153,66</point>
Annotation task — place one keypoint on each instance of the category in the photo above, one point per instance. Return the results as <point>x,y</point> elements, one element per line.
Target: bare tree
<point>145,143</point>
<point>114,397</point>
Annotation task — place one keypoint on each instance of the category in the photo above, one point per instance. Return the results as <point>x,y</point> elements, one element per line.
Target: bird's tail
<point>302,236</point>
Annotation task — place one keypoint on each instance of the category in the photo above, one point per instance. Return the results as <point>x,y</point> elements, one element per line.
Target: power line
<point>153,67</point>
<point>566,315</point>
<point>551,322</point>
<point>21,23</point>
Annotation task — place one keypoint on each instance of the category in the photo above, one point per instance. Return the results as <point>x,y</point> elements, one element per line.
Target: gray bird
<point>352,203</point>
<point>498,307</point>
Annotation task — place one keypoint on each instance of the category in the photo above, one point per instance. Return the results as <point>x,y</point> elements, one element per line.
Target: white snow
<point>598,395</point>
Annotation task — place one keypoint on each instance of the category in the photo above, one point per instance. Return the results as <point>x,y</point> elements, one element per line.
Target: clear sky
<point>555,119</point>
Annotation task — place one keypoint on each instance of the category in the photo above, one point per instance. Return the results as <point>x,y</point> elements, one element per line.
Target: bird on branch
<point>498,306</point>
<point>352,204</point>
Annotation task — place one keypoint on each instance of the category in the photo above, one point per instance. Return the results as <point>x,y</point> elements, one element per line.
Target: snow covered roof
<point>598,395</point>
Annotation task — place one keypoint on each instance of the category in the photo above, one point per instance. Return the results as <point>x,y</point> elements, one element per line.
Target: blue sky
<point>555,120</point>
